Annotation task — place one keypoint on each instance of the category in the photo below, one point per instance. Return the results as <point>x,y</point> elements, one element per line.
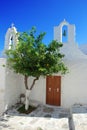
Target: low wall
<point>13,88</point>
<point>10,87</point>
<point>2,85</point>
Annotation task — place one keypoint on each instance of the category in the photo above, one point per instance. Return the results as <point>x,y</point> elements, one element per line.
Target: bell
<point>64,33</point>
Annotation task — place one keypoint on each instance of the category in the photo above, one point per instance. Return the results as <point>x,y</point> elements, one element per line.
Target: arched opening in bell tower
<point>10,42</point>
<point>65,34</point>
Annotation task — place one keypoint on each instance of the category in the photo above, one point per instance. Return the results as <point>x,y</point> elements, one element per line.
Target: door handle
<point>49,89</point>
<point>57,90</point>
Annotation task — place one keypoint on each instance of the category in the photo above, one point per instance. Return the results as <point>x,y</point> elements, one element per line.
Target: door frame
<point>59,91</point>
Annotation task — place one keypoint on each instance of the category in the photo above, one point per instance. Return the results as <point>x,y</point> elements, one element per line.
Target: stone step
<point>79,114</point>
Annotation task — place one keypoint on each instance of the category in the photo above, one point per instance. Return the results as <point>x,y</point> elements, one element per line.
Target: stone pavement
<point>43,118</point>
<point>46,118</point>
<point>79,113</point>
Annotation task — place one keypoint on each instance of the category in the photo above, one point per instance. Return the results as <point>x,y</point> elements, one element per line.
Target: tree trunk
<point>27,97</point>
<point>26,81</point>
<point>34,82</point>
<point>28,91</point>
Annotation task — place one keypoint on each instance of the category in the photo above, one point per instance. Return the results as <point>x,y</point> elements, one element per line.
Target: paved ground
<point>43,118</point>
<point>46,118</point>
<point>79,114</point>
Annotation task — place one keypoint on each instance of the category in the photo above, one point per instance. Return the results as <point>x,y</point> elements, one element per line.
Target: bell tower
<point>11,37</point>
<point>70,32</point>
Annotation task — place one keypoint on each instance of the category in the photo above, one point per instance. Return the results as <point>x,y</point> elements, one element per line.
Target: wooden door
<point>53,90</point>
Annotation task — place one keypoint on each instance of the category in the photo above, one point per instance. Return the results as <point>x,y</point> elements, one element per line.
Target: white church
<point>58,90</point>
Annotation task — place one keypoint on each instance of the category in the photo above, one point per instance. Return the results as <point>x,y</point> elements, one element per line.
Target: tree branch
<point>26,81</point>
<point>34,82</point>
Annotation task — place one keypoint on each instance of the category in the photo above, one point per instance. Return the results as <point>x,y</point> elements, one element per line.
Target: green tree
<point>31,57</point>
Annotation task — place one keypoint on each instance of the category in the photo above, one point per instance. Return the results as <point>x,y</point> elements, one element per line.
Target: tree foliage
<point>31,57</point>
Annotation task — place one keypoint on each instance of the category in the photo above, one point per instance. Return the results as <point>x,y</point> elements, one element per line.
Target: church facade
<point>58,90</point>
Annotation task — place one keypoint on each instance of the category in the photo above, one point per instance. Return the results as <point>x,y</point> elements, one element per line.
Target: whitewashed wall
<point>38,93</point>
<point>74,84</point>
<point>13,88</point>
<point>2,85</point>
<point>10,87</point>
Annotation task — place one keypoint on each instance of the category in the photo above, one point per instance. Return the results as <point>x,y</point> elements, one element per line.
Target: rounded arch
<point>10,38</point>
<point>64,23</point>
<point>64,33</point>
<point>70,32</point>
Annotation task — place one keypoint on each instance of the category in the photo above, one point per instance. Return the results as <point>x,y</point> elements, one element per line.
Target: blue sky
<point>44,14</point>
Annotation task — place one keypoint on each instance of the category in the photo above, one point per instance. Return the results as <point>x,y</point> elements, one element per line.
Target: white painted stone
<point>38,120</point>
<point>58,32</point>
<point>38,93</point>
<point>27,99</point>
<point>10,37</point>
<point>73,84</point>
<point>2,85</point>
<point>79,113</point>
<point>12,87</point>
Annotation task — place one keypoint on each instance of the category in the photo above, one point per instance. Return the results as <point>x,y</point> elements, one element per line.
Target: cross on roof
<point>12,25</point>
